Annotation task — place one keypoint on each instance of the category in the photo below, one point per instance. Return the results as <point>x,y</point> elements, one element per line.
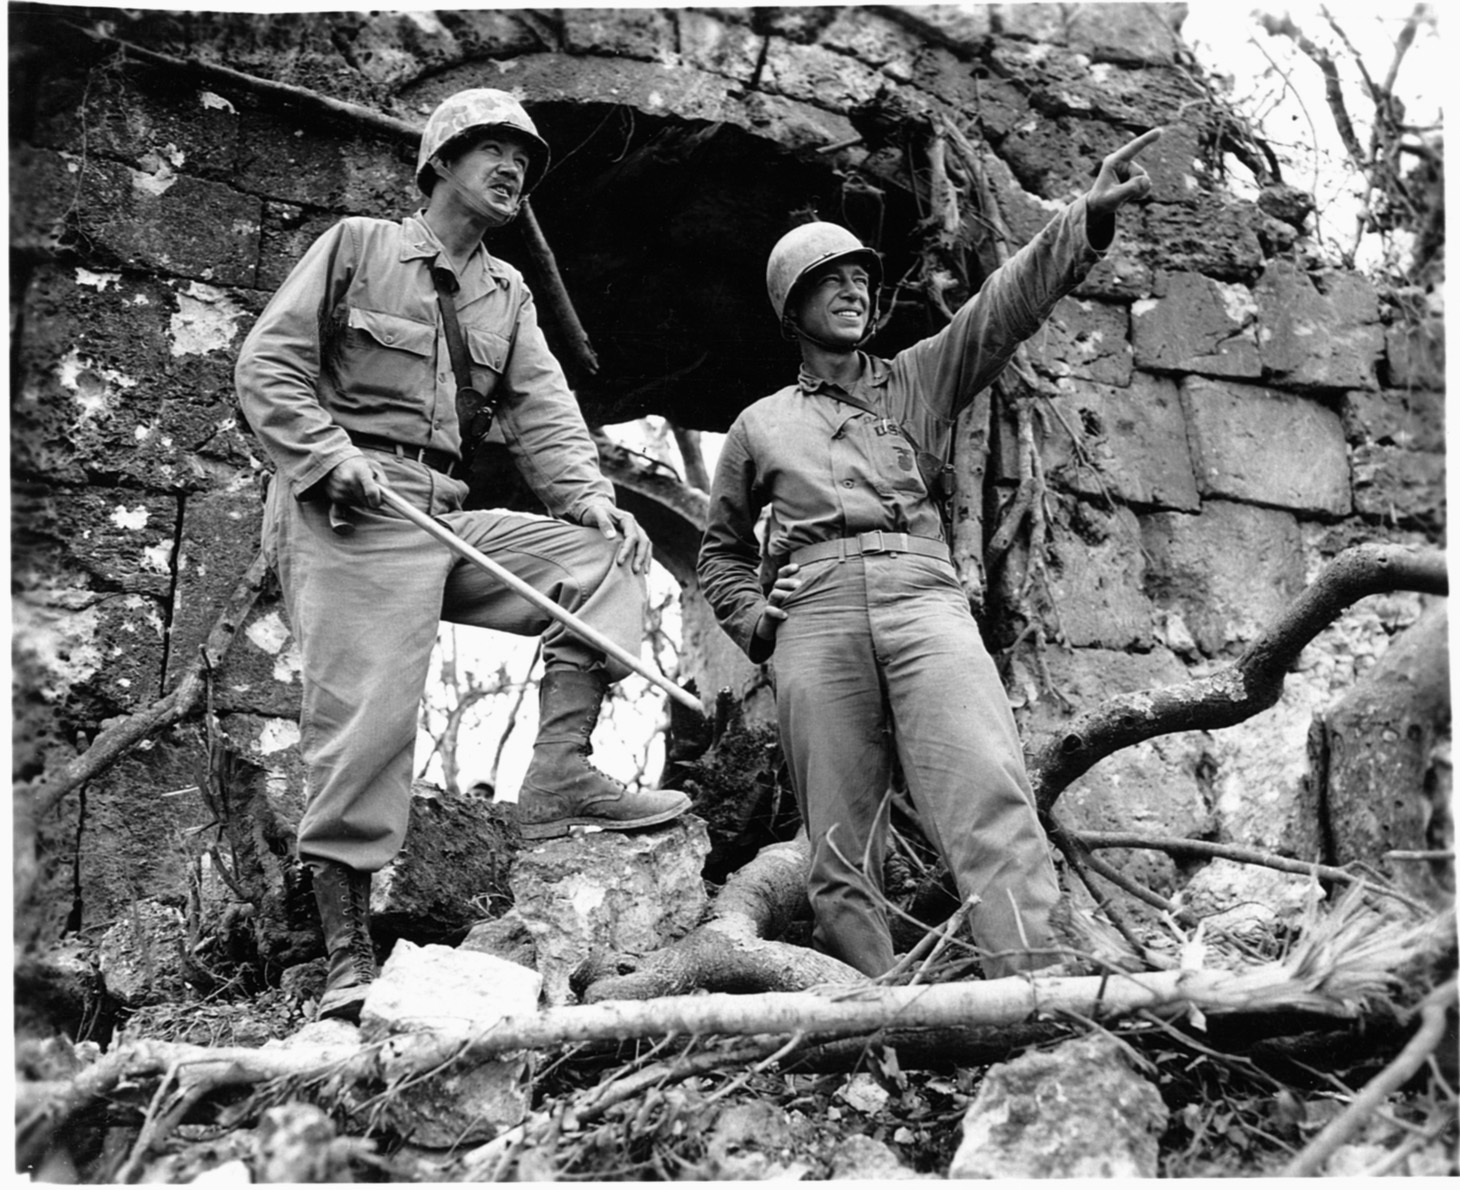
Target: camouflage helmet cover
<point>809,247</point>
<point>472,110</point>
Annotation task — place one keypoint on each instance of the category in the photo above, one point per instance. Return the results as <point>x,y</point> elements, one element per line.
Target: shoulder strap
<point>474,411</point>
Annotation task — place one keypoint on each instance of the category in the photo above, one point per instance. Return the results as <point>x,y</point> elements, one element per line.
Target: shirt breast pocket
<point>489,352</point>
<point>387,358</point>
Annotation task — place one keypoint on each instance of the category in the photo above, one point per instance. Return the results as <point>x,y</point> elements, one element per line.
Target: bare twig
<point>1414,1055</point>
<point>1200,848</point>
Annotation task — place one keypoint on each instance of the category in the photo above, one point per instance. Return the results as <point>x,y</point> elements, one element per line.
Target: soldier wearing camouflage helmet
<point>348,380</point>
<point>850,593</point>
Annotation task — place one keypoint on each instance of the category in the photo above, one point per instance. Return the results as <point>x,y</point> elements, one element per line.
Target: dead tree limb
<point>110,744</point>
<point>556,293</point>
<point>1345,961</point>
<point>1252,684</point>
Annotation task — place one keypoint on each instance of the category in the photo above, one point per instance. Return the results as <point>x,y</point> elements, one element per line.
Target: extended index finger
<point>1131,148</point>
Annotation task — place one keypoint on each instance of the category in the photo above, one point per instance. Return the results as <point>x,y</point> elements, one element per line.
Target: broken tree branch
<point>1252,684</point>
<point>556,297</point>
<point>1343,962</point>
<point>113,741</point>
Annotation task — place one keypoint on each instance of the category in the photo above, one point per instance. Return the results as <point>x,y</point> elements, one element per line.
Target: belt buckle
<point>878,546</point>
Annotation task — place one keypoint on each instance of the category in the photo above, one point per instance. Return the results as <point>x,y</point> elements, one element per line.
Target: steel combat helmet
<point>806,248</point>
<point>475,110</point>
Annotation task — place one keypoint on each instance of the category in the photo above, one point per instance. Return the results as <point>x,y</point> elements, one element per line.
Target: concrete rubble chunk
<point>140,955</point>
<point>609,892</point>
<point>459,993</point>
<point>1416,354</point>
<point>1079,1110</point>
<point>445,989</point>
<point>865,1158</point>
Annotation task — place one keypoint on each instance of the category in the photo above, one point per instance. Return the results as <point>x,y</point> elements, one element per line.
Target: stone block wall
<point>1227,416</point>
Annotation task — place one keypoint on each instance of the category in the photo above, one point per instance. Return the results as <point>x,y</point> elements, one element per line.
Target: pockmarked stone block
<point>1411,419</point>
<point>1415,354</point>
<point>1152,788</point>
<point>1245,439</point>
<point>155,217</point>
<point>1127,443</point>
<point>708,42</point>
<point>816,75</point>
<point>1134,33</point>
<point>1084,340</point>
<point>1197,324</point>
<point>220,539</point>
<point>1214,235</point>
<point>1318,331</point>
<point>624,32</point>
<point>1399,487</point>
<point>1095,579</point>
<point>1227,572</point>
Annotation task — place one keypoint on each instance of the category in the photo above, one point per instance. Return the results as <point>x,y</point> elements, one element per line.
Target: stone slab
<point>1197,324</point>
<point>1124,443</point>
<point>1318,331</point>
<point>1227,573</point>
<point>1096,578</point>
<point>1245,441</point>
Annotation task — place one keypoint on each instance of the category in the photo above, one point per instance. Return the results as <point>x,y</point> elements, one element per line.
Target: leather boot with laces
<point>343,897</point>
<point>561,789</point>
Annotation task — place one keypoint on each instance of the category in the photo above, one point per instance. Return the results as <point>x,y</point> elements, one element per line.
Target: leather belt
<point>875,542</point>
<point>438,460</point>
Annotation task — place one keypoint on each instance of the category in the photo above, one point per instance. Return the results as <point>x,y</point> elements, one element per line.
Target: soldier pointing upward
<point>853,598</point>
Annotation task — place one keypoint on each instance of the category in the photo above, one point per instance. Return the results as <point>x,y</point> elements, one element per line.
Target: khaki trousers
<point>880,652</point>
<point>364,610</point>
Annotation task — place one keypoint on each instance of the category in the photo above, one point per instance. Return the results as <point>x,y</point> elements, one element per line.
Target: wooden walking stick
<point>540,601</point>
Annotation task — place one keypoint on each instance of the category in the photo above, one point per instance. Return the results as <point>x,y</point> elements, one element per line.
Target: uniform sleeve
<point>729,560</point>
<point>950,368</point>
<point>544,427</point>
<point>278,367</point>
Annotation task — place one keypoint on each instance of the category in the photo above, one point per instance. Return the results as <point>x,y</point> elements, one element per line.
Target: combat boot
<point>561,789</point>
<point>343,897</point>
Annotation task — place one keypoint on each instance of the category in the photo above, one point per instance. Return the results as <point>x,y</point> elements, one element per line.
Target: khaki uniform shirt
<point>353,341</point>
<point>828,470</point>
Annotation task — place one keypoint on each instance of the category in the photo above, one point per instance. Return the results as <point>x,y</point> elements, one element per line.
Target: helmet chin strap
<point>471,198</point>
